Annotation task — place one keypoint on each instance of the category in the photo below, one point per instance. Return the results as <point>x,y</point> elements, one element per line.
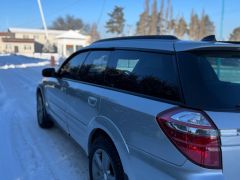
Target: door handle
<point>92,101</point>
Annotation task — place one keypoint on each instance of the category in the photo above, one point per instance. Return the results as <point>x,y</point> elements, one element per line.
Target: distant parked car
<point>151,107</point>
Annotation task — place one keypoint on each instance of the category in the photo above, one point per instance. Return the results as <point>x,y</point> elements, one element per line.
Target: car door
<point>56,91</point>
<point>83,99</point>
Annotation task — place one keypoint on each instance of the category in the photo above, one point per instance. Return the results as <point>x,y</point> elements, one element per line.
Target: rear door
<point>141,85</point>
<point>83,100</point>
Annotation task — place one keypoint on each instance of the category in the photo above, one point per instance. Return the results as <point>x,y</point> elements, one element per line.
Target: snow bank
<point>4,54</point>
<point>13,66</point>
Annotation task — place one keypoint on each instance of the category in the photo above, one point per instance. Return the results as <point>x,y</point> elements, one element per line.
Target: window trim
<point>69,59</point>
<point>180,102</point>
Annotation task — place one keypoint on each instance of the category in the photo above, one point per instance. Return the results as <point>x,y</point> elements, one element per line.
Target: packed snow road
<point>26,151</point>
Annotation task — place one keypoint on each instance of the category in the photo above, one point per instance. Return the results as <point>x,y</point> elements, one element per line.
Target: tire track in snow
<point>29,152</point>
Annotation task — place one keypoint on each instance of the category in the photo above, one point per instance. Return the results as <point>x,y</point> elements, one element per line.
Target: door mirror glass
<point>49,72</point>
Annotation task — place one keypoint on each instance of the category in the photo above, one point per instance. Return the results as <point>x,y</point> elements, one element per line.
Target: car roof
<point>162,43</point>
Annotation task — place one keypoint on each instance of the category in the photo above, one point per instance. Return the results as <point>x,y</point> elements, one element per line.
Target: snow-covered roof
<point>71,35</point>
<point>24,30</point>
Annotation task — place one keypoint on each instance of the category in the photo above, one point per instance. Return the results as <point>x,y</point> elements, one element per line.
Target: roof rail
<point>231,42</point>
<point>210,38</point>
<point>163,37</point>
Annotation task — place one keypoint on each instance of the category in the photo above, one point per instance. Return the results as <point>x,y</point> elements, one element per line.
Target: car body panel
<point>54,93</point>
<point>228,124</point>
<point>129,119</point>
<point>82,110</point>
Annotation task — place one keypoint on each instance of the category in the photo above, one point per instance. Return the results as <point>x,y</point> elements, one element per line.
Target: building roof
<point>17,40</point>
<point>72,35</point>
<point>25,30</point>
<point>6,34</point>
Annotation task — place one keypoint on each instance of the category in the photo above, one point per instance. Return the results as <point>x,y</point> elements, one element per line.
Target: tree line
<point>161,21</point>
<point>154,20</point>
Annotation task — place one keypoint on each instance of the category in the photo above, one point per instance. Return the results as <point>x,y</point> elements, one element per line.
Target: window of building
<point>79,47</point>
<point>8,46</point>
<point>25,36</point>
<point>27,47</point>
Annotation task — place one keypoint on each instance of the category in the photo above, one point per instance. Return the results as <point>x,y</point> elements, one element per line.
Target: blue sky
<point>25,13</point>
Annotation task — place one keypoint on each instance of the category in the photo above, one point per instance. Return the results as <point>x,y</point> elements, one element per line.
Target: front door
<point>84,99</point>
<point>16,50</point>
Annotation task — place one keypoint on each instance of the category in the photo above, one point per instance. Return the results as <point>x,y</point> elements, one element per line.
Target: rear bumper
<point>146,166</point>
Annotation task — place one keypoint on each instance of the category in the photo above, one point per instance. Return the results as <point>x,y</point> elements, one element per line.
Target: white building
<point>70,42</point>
<point>31,41</point>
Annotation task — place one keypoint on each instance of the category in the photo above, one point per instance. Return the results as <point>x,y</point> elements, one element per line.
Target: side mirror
<point>49,72</point>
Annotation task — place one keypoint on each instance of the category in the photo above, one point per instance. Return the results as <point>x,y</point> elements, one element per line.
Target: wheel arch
<point>102,126</point>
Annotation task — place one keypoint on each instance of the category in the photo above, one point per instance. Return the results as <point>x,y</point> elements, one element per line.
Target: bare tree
<point>206,26</point>
<point>235,35</point>
<point>153,22</point>
<point>143,23</point>
<point>94,33</point>
<point>181,27</point>
<point>160,23</point>
<point>68,23</point>
<point>194,26</point>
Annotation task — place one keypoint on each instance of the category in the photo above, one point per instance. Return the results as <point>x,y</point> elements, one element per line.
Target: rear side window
<point>211,79</point>
<point>93,69</point>
<point>71,68</point>
<point>146,73</point>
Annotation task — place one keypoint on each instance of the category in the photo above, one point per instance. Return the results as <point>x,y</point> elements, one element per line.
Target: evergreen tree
<point>207,26</point>
<point>167,16</point>
<point>153,22</point>
<point>181,27</point>
<point>143,23</point>
<point>235,35</point>
<point>194,26</point>
<point>171,20</point>
<point>160,22</point>
<point>116,22</point>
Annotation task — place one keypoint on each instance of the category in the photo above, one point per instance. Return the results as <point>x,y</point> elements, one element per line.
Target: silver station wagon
<point>149,107</point>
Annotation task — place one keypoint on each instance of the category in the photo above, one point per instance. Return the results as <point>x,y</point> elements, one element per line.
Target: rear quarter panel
<point>135,118</point>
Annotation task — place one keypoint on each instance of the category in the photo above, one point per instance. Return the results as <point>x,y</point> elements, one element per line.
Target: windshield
<point>211,80</point>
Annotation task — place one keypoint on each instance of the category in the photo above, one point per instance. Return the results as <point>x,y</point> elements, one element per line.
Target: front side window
<point>146,73</point>
<point>71,68</point>
<point>93,70</point>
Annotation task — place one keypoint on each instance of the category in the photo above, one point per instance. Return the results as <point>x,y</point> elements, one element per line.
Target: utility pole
<point>43,19</point>
<point>222,20</point>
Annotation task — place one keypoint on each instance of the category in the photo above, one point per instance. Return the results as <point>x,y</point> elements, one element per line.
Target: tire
<point>42,117</point>
<point>103,150</point>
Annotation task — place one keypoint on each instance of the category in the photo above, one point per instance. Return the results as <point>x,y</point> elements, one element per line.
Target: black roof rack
<point>163,37</point>
<point>212,38</point>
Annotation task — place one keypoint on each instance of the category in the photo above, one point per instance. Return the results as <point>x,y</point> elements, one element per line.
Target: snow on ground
<point>26,151</point>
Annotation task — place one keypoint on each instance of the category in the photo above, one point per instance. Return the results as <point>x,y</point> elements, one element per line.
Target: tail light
<point>194,134</point>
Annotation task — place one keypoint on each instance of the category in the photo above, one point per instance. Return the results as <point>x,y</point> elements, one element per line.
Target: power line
<point>101,12</point>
